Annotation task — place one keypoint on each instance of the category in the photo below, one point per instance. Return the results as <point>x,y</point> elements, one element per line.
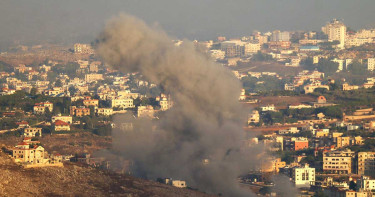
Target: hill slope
<point>75,180</point>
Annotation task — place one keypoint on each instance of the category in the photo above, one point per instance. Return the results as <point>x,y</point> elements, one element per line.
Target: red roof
<point>22,122</point>
<point>61,123</point>
<point>23,143</point>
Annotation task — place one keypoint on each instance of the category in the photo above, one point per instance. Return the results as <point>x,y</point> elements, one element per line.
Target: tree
<point>327,66</point>
<point>357,68</point>
<point>58,83</point>
<point>352,185</point>
<point>261,57</point>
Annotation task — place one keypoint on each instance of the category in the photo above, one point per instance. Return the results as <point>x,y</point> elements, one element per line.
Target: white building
<point>303,176</point>
<point>336,30</point>
<point>268,108</point>
<point>366,184</point>
<point>370,64</point>
<point>122,103</point>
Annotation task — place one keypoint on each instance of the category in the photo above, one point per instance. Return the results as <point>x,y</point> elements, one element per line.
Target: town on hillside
<point>309,98</point>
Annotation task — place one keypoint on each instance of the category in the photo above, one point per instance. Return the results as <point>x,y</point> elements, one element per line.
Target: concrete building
<point>338,162</point>
<point>175,183</point>
<point>366,184</point>
<point>336,31</point>
<point>79,111</point>
<point>371,64</point>
<point>251,48</point>
<point>347,87</point>
<point>28,153</point>
<point>40,108</point>
<point>93,77</point>
<point>32,132</point>
<point>164,102</point>
<point>299,143</point>
<point>61,126</point>
<point>122,103</point>
<point>366,163</point>
<point>91,102</point>
<point>67,119</point>
<point>104,111</point>
<point>303,176</point>
<point>253,117</point>
<point>272,165</point>
<point>83,48</point>
<point>280,36</point>
<point>268,108</point>
<point>145,111</point>
<point>340,63</point>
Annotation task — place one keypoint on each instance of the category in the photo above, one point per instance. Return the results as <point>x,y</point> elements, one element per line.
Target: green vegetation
<point>263,84</point>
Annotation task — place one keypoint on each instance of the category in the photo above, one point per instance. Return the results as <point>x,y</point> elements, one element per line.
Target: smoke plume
<point>205,122</point>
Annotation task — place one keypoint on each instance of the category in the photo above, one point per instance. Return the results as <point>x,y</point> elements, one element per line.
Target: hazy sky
<point>81,20</point>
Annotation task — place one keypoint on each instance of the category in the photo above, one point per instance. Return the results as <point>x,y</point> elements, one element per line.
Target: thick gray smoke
<point>205,122</point>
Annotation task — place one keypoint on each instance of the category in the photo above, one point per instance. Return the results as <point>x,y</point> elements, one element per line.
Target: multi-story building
<point>299,143</point>
<point>104,111</point>
<point>371,64</point>
<point>233,48</point>
<point>28,153</point>
<point>336,30</point>
<point>268,108</point>
<point>251,48</point>
<point>93,77</point>
<point>82,48</point>
<point>91,102</point>
<point>303,176</point>
<point>80,111</point>
<point>67,119</point>
<point>348,141</point>
<point>122,103</point>
<point>339,162</point>
<point>280,36</point>
<point>366,163</point>
<point>273,165</point>
<point>40,108</point>
<point>145,111</point>
<point>347,87</point>
<point>366,184</point>
<point>253,117</point>
<point>164,102</point>
<point>32,132</point>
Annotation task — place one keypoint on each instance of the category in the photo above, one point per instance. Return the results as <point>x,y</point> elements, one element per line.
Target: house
<point>79,112</point>
<point>104,111</point>
<point>268,108</point>
<point>175,183</point>
<point>314,85</point>
<point>32,132</point>
<point>22,124</point>
<point>253,117</point>
<point>67,119</point>
<point>91,102</point>
<point>29,153</point>
<point>61,126</point>
<point>145,111</point>
<point>40,108</point>
<point>122,103</point>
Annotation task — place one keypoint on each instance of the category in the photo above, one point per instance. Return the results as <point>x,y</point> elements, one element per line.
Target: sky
<point>69,21</point>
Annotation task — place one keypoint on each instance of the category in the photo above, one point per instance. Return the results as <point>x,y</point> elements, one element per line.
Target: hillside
<point>75,180</point>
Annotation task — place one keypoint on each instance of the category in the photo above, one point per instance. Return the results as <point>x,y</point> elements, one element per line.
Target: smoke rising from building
<point>204,123</point>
